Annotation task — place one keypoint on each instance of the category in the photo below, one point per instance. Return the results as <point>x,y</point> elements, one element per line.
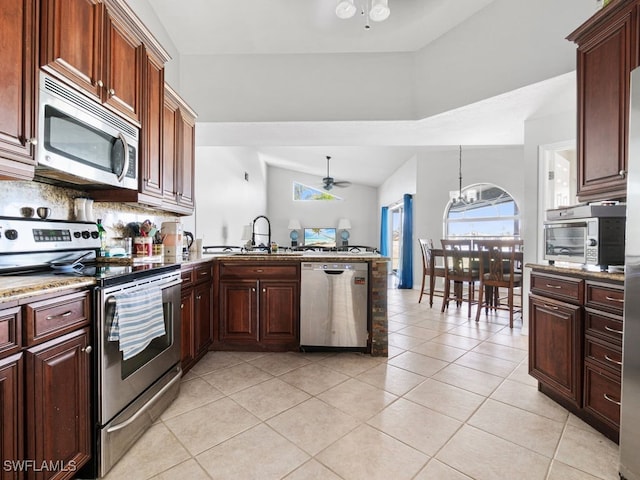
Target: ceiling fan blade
<point>342,184</point>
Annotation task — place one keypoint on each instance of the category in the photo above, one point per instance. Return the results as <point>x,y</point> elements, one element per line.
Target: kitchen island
<point>257,299</point>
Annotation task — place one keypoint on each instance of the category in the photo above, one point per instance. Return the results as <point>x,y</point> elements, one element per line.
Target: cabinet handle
<point>607,397</point>
<point>264,290</point>
<point>552,307</point>
<point>112,92</point>
<point>609,359</point>
<point>612,330</point>
<point>548,285</point>
<point>253,289</point>
<point>87,349</point>
<point>622,173</point>
<point>62,315</point>
<point>99,83</point>
<point>181,306</point>
<point>32,141</point>
<point>198,297</point>
<point>611,299</point>
<point>258,270</point>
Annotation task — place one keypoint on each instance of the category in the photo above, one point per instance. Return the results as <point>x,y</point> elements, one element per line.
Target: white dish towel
<point>138,318</point>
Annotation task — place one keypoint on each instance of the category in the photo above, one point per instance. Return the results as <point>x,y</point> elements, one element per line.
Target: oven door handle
<point>147,405</point>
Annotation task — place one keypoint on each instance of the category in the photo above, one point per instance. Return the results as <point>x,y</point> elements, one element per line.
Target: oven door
<point>565,241</point>
<point>122,381</point>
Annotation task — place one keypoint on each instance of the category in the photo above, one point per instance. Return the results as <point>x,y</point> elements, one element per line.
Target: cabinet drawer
<point>275,272</point>
<point>554,286</point>
<point>186,274</point>
<point>202,273</point>
<point>52,317</point>
<point>602,393</point>
<point>603,325</point>
<point>10,330</point>
<point>606,355</point>
<point>605,297</point>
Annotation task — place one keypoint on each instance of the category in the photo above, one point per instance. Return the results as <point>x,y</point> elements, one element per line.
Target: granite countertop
<point>577,271</point>
<point>13,287</point>
<point>299,257</point>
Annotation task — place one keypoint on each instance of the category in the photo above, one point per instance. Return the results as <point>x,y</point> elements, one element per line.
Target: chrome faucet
<point>253,232</point>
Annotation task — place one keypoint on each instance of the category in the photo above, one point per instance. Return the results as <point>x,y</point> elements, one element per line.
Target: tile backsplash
<point>17,194</point>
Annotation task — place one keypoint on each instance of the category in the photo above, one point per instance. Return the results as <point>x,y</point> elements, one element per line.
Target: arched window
<point>482,211</point>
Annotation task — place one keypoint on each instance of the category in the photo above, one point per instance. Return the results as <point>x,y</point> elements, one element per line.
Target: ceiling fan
<point>329,181</point>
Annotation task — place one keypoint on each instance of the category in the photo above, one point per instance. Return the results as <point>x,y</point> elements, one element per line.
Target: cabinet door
<point>238,312</point>
<point>279,312</point>
<point>123,70</point>
<point>151,174</point>
<point>169,137</point>
<point>186,160</point>
<point>603,95</point>
<point>187,355</point>
<point>57,403</point>
<point>203,317</point>
<point>11,402</point>
<point>18,87</point>
<point>555,346</point>
<point>71,39</point>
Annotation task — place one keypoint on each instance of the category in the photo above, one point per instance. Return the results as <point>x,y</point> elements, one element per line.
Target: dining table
<point>474,257</point>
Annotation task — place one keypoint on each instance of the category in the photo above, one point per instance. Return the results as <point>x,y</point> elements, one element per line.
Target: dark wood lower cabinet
<point>57,406</point>
<point>575,344</point>
<point>11,411</point>
<point>196,312</point>
<point>259,307</point>
<point>556,346</point>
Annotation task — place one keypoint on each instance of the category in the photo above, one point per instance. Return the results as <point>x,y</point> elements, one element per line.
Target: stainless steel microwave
<point>588,241</point>
<point>80,142</point>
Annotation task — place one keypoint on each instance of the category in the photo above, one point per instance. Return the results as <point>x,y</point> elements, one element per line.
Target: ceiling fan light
<point>345,9</point>
<point>379,10</point>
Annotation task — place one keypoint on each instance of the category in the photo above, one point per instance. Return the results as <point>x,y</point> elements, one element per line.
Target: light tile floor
<point>453,401</point>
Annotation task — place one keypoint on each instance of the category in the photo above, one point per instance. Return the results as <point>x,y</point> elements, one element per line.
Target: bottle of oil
<point>102,234</point>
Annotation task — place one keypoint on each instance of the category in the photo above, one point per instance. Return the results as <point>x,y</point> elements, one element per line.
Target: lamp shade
<point>294,224</point>
<point>379,10</point>
<point>345,9</point>
<point>344,224</point>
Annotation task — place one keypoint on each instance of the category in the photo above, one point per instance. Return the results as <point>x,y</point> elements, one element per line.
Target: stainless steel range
<point>133,384</point>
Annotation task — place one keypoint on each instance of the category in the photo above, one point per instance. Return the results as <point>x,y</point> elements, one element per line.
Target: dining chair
<point>430,269</point>
<point>461,267</point>
<point>499,268</point>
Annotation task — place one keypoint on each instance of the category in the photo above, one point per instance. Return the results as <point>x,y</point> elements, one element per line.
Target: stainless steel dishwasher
<point>333,304</point>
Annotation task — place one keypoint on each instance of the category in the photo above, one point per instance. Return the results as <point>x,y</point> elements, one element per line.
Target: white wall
<point>437,174</point>
<point>505,46</point>
<point>234,88</point>
<point>358,204</point>
<point>224,200</point>
<point>402,181</point>
<point>509,44</point>
<point>539,131</point>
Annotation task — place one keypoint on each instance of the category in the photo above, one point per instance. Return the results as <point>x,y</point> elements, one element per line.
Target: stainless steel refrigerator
<point>630,408</point>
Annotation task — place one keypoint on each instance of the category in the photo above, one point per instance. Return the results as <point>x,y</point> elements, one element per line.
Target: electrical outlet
<point>246,176</point>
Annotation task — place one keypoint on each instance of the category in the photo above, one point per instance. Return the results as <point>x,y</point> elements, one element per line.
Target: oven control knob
<point>95,234</point>
<point>86,234</point>
<point>11,234</point>
<point>77,234</point>
<point>592,242</point>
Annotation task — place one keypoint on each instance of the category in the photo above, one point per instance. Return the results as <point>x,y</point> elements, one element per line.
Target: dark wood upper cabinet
<point>88,43</point>
<point>607,52</point>
<point>18,26</point>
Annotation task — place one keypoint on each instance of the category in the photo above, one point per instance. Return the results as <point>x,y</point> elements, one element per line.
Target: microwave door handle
<point>125,167</point>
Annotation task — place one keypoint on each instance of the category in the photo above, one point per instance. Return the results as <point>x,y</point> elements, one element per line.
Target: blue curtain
<point>384,232</point>
<point>406,262</point>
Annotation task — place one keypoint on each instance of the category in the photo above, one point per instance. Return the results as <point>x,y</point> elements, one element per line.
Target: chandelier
<point>462,198</point>
<point>376,10</point>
